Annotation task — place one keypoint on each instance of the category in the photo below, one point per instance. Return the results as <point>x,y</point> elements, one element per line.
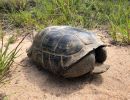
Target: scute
<point>68,45</point>
<point>45,60</point>
<point>56,62</point>
<point>86,37</point>
<point>51,40</point>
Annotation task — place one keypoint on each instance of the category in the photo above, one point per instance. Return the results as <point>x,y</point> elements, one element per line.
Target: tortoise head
<point>29,52</point>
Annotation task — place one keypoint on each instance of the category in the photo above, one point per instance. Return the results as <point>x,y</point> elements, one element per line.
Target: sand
<point>29,83</point>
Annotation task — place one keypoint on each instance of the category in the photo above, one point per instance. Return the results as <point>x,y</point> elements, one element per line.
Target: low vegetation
<point>115,14</point>
<point>7,55</point>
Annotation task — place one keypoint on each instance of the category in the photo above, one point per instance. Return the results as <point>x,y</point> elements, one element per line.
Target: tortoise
<point>68,51</point>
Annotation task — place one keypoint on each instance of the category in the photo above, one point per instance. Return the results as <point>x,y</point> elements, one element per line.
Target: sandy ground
<point>29,83</point>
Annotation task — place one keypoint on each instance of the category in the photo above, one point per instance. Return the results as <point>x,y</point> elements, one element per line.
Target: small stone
<point>2,96</point>
<point>17,82</point>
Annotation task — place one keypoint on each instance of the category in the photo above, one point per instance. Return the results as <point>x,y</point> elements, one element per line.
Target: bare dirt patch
<point>29,83</point>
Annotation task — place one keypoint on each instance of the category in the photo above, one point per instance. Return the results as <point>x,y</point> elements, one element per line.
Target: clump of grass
<point>119,19</point>
<point>13,5</point>
<point>12,39</point>
<point>7,57</point>
<point>21,19</point>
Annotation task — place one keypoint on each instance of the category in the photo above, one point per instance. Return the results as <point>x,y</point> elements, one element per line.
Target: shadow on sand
<point>56,85</point>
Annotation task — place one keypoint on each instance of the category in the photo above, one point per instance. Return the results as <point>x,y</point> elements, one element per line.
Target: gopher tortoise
<point>68,51</point>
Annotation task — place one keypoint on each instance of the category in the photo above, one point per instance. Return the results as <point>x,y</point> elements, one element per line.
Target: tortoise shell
<point>58,47</point>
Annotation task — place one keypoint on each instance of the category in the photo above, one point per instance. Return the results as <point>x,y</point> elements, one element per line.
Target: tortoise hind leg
<point>100,54</point>
<point>83,66</point>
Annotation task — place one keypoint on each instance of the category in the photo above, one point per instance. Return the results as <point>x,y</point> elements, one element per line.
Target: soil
<point>27,82</point>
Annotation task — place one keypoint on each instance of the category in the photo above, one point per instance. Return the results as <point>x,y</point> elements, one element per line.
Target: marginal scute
<point>56,62</point>
<point>65,60</point>
<point>45,60</point>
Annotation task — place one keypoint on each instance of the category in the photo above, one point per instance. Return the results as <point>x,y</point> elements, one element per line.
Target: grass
<point>7,56</point>
<point>12,5</point>
<point>113,14</point>
<point>119,19</point>
<point>70,12</point>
